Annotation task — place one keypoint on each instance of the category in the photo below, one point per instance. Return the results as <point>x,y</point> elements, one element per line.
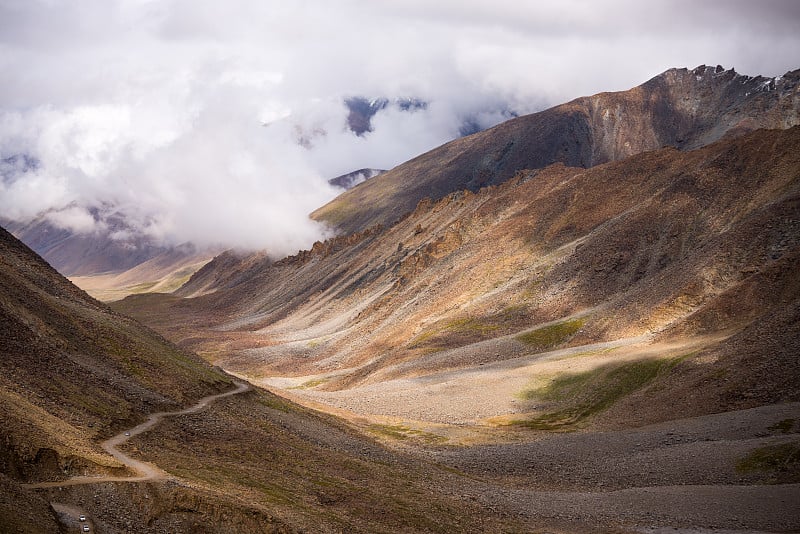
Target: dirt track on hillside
<point>144,471</point>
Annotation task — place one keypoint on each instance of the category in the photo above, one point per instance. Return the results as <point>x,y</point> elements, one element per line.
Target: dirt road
<point>144,470</point>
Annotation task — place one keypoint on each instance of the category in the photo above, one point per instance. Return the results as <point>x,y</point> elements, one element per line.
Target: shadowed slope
<point>74,372</point>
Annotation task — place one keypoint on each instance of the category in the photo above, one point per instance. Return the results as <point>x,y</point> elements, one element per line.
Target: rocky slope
<point>74,372</point>
<point>670,245</point>
<point>603,349</point>
<point>680,108</point>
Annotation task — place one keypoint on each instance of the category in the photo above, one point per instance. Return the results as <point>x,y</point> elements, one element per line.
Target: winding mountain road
<point>144,470</point>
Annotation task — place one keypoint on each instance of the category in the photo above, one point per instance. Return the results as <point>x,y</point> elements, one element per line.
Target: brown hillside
<point>74,371</point>
<point>670,245</point>
<point>610,349</point>
<point>680,108</point>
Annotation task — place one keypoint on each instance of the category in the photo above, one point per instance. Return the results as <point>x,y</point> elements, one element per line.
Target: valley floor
<point>713,473</point>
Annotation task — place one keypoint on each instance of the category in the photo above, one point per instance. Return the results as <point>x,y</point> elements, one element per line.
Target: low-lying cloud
<point>183,117</point>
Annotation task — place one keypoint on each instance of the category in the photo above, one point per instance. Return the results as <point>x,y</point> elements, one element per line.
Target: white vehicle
<point>127,433</point>
<point>82,518</point>
<point>86,528</point>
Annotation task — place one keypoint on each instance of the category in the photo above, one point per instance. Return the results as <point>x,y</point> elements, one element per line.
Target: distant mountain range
<point>352,179</point>
<point>361,110</point>
<point>681,108</point>
<point>77,254</point>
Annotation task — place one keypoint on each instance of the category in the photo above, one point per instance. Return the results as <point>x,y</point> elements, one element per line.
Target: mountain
<point>352,179</point>
<point>611,349</point>
<point>114,245</point>
<point>680,108</point>
<point>667,246</point>
<point>162,273</point>
<point>75,373</point>
<point>109,268</point>
<point>79,254</point>
<point>360,110</point>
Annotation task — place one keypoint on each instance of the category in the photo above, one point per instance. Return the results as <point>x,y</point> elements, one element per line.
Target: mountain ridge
<point>628,248</point>
<point>679,107</point>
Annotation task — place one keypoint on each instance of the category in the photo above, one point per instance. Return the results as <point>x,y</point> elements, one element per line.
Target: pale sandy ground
<point>673,477</point>
<point>471,395</point>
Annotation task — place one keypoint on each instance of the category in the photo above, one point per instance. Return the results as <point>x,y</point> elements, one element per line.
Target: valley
<point>576,321</point>
<point>603,348</point>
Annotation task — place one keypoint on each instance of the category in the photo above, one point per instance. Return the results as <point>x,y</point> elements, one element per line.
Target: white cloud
<point>153,110</point>
<point>76,219</point>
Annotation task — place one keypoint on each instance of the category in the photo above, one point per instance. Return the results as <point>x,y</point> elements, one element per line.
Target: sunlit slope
<point>696,247</point>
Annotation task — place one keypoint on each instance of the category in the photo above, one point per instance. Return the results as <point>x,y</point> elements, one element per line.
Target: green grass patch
<point>450,333</point>
<point>469,325</point>
<point>548,337</point>
<point>577,397</point>
<point>401,432</point>
<point>144,287</point>
<point>454,332</point>
<point>310,383</point>
<point>781,462</point>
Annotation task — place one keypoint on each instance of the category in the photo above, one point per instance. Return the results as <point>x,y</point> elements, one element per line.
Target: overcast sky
<point>154,109</point>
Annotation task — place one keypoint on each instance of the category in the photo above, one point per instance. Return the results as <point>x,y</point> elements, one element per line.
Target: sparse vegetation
<point>551,336</point>
<point>308,384</point>
<point>785,426</point>
<point>577,397</point>
<point>401,432</point>
<point>781,463</point>
<point>464,330</point>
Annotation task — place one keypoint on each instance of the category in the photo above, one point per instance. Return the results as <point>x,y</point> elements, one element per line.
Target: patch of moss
<point>464,330</point>
<point>310,383</point>
<point>143,287</point>
<point>781,462</point>
<point>581,395</point>
<point>401,432</point>
<point>470,325</point>
<point>440,335</point>
<point>548,337</point>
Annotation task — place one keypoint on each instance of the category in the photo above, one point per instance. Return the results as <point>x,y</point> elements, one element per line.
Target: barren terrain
<point>612,349</point>
<point>604,349</point>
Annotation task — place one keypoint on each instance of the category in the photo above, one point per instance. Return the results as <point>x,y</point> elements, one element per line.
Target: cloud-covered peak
<point>157,108</point>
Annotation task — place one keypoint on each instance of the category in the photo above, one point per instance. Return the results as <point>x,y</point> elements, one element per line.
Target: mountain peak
<point>682,108</point>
